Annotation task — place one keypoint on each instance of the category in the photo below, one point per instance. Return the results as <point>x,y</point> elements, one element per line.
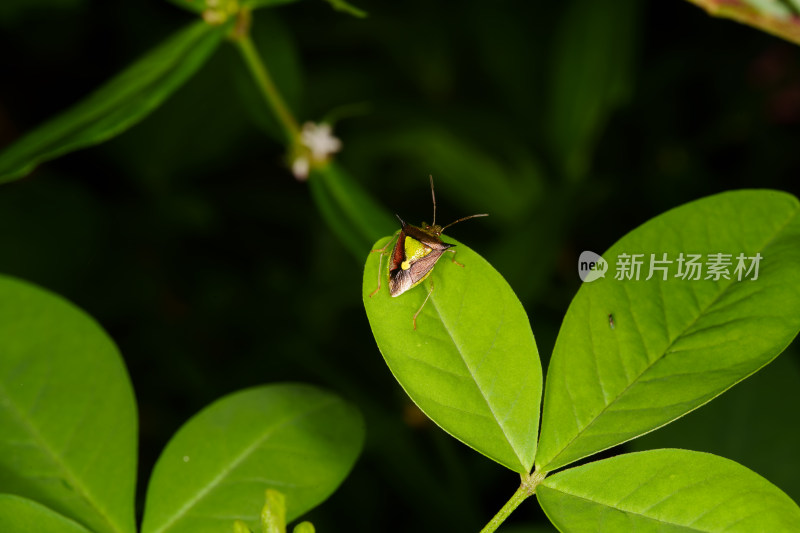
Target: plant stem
<point>265,83</point>
<point>526,489</point>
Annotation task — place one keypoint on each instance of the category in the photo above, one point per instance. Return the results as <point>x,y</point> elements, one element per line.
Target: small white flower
<point>315,146</point>
<point>300,168</point>
<point>320,140</point>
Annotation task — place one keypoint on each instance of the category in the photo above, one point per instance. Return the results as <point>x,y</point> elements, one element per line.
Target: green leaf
<point>67,411</point>
<point>21,515</point>
<point>666,491</point>
<point>471,365</point>
<point>593,67</point>
<point>676,344</point>
<point>118,105</point>
<point>352,214</point>
<point>346,7</point>
<point>294,438</point>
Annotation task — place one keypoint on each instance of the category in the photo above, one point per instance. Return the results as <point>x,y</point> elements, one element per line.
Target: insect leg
<point>380,263</point>
<point>454,259</point>
<point>421,306</point>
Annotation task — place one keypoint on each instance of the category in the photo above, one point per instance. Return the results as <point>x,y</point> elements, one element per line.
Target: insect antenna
<point>463,219</point>
<point>433,196</point>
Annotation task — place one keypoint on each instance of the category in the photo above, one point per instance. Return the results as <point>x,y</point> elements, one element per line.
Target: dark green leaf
<point>471,365</point>
<point>462,168</point>
<point>352,214</point>
<point>677,343</point>
<point>67,411</point>
<point>21,515</point>
<point>293,438</point>
<point>346,7</point>
<point>666,491</point>
<point>593,70</point>
<point>118,105</point>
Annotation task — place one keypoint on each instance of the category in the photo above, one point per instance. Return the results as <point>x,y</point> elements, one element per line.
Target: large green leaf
<point>666,491</point>
<point>675,344</point>
<point>118,105</point>
<point>297,439</point>
<point>471,365</point>
<point>67,411</point>
<point>21,515</point>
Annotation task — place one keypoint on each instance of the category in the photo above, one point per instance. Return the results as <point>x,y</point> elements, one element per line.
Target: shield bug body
<point>415,253</point>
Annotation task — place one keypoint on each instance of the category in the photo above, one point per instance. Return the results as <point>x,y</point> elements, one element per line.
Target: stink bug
<point>415,253</point>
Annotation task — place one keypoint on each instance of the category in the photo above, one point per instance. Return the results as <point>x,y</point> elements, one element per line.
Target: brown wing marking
<point>399,252</point>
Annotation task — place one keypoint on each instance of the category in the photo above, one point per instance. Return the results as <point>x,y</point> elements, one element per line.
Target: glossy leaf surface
<point>67,411</point>
<point>118,105</point>
<point>471,365</point>
<point>297,439</point>
<point>676,343</point>
<point>666,491</point>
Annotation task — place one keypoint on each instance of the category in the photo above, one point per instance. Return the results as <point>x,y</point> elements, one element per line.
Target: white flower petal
<point>300,167</point>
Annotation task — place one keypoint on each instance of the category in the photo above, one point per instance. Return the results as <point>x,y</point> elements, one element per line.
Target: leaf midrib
<point>635,513</point>
<point>477,386</point>
<point>70,476</point>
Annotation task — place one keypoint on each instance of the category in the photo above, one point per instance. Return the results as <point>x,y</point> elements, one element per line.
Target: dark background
<point>209,265</point>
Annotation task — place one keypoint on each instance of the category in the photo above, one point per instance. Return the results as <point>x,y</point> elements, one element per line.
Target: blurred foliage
<point>210,266</point>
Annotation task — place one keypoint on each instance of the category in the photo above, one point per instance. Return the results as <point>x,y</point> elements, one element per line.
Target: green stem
<point>526,489</point>
<point>265,83</point>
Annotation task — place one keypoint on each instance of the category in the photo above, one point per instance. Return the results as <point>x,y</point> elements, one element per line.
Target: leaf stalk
<point>527,488</point>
